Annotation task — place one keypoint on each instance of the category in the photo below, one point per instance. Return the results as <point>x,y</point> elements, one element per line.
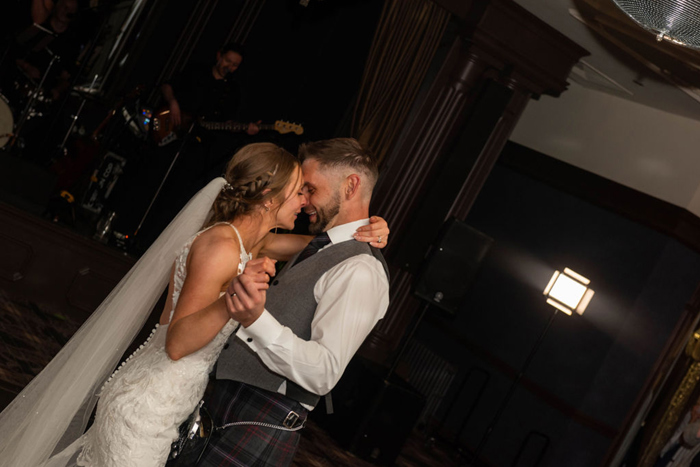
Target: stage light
<point>568,292</point>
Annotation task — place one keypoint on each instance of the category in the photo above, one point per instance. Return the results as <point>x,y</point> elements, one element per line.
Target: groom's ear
<point>352,186</point>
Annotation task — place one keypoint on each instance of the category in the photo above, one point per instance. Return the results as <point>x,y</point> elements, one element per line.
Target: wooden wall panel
<point>54,266</point>
<point>15,258</point>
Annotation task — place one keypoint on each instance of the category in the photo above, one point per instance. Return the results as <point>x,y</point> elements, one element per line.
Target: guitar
<point>164,132</point>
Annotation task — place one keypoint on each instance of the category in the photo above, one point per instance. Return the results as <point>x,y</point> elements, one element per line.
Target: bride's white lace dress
<point>150,395</point>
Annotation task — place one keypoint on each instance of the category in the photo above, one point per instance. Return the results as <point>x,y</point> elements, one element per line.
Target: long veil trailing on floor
<point>54,408</point>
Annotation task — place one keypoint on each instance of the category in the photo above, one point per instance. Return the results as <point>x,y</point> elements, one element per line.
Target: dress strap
<point>240,240</point>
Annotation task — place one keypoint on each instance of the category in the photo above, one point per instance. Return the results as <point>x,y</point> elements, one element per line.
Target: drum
<point>6,121</point>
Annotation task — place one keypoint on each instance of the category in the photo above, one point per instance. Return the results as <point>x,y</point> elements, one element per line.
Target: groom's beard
<point>325,214</point>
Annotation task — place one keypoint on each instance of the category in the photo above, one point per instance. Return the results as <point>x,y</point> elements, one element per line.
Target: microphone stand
<point>34,95</point>
<point>165,177</point>
<point>73,83</point>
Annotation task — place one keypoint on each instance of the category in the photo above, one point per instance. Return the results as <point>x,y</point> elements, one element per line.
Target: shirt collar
<point>344,232</point>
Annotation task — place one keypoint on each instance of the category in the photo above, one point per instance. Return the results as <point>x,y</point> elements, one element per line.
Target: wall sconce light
<point>569,292</point>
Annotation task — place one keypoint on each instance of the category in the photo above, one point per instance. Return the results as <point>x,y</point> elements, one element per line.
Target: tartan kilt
<point>249,445</point>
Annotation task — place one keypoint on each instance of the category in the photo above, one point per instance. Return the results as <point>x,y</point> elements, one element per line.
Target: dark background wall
<point>586,375</point>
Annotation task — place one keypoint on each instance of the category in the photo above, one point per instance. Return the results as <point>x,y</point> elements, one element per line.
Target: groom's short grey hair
<point>343,154</point>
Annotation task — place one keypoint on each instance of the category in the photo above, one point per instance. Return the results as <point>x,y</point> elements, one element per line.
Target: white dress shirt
<point>352,296</point>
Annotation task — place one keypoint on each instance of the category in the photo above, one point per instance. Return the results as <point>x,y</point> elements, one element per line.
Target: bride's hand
<point>261,268</point>
<point>245,297</point>
<point>375,233</point>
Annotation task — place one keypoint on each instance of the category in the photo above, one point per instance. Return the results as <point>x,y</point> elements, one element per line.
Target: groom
<point>297,337</point>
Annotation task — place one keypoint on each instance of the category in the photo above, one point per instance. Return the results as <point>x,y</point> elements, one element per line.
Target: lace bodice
<point>150,395</point>
<point>181,263</point>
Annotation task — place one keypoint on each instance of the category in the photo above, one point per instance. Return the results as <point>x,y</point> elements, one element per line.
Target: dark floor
<point>30,336</point>
<point>319,449</point>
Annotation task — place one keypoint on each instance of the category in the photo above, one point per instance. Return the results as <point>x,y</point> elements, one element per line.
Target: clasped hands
<point>246,294</point>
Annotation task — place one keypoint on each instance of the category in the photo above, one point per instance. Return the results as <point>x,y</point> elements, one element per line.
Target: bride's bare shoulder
<point>217,243</point>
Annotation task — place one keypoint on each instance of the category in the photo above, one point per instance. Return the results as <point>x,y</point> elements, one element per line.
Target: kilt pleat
<point>249,445</point>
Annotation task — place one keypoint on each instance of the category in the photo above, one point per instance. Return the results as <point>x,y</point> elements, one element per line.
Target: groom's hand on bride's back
<point>245,296</point>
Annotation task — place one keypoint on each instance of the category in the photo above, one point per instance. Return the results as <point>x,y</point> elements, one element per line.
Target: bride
<point>153,391</point>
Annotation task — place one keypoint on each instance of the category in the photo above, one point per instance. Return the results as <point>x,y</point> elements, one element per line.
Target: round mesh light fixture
<point>677,21</point>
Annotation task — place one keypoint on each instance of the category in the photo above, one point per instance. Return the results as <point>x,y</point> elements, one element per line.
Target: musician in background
<point>208,93</point>
<point>201,93</point>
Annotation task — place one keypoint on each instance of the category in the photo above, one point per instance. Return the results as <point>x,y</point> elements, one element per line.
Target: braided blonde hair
<point>256,173</point>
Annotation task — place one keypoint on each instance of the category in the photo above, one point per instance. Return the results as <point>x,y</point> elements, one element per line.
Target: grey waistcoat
<point>291,301</point>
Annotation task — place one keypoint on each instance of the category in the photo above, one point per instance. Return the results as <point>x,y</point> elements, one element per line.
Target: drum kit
<point>76,137</point>
<point>6,121</point>
<point>22,99</point>
<point>27,110</point>
<point>28,103</point>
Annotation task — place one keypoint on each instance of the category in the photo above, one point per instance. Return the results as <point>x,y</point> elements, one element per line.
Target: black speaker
<point>451,265</point>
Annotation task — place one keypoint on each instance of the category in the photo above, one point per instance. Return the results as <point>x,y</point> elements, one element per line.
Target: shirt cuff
<point>263,332</point>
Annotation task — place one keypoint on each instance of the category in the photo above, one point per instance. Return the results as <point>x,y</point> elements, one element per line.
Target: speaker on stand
<point>450,267</point>
<point>446,274</point>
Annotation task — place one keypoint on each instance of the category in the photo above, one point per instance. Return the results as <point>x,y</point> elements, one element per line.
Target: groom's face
<point>323,198</point>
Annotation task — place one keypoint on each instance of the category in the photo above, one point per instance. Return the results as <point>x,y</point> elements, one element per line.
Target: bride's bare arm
<point>283,247</point>
<point>200,312</point>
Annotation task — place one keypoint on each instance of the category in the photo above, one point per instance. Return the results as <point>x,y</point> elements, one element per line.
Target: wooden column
<point>503,56</point>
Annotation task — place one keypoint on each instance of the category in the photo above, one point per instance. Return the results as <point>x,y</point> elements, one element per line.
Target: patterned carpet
<point>30,336</point>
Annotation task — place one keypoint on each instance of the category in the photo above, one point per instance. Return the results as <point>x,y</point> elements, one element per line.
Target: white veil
<point>56,405</point>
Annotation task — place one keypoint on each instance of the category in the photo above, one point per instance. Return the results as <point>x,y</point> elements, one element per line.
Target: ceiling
<point>625,59</point>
